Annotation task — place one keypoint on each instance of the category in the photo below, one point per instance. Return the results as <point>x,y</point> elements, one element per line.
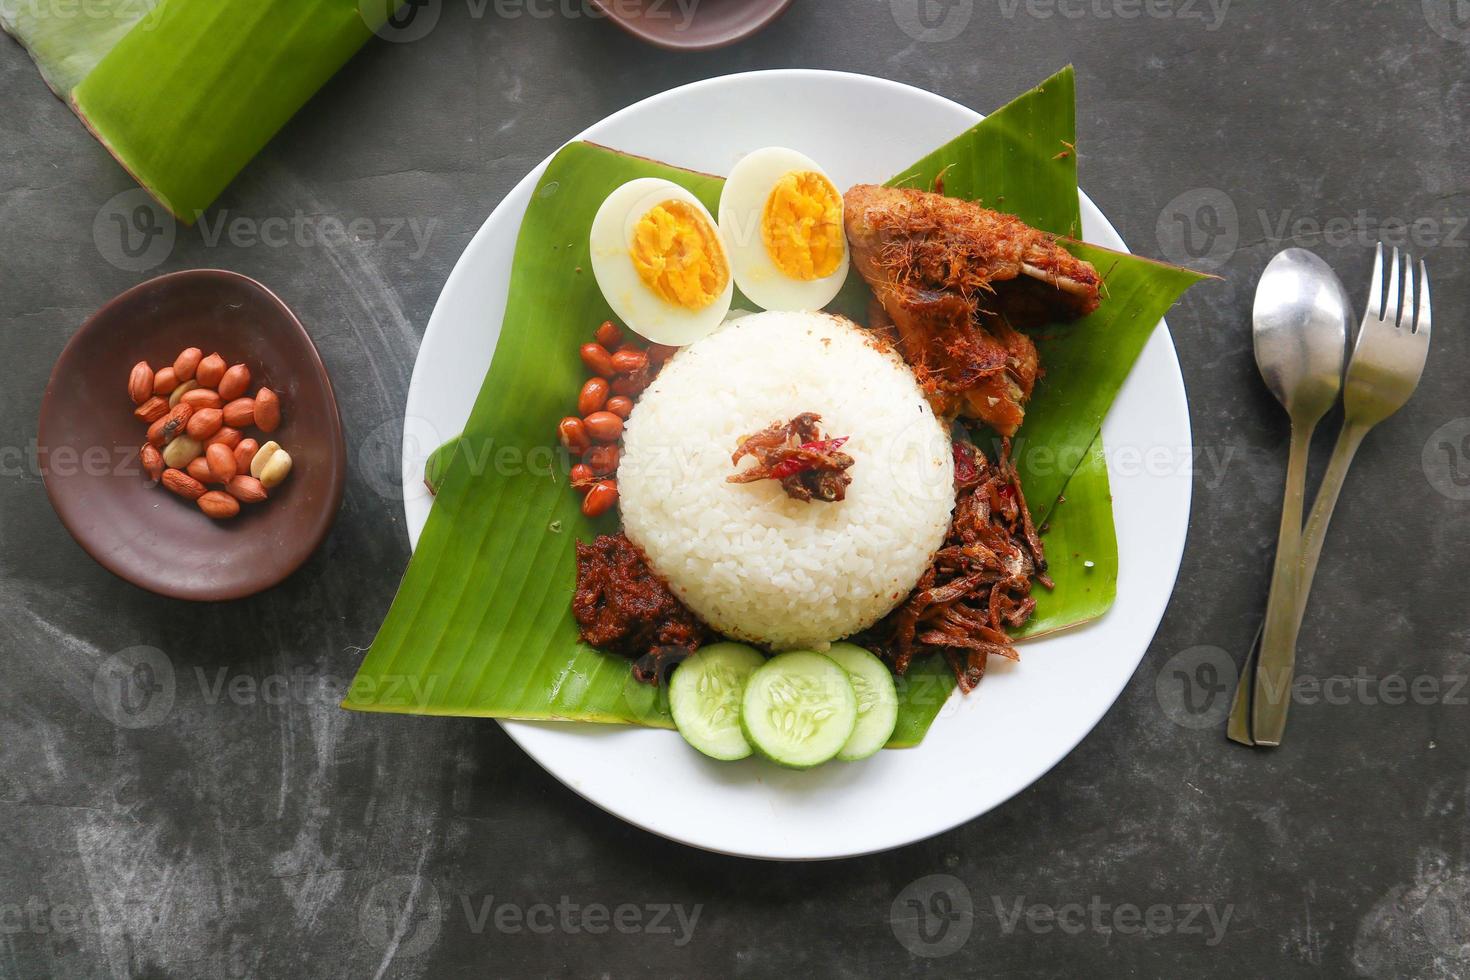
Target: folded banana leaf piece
<point>184,93</point>
<point>482,620</point>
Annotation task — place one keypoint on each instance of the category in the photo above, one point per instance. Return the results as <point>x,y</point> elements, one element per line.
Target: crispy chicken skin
<point>955,280</point>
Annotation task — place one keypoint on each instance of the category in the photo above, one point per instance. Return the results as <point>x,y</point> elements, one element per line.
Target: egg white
<point>742,207</point>
<point>642,310</point>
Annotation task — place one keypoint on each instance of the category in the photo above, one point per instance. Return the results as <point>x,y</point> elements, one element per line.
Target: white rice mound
<point>752,562</point>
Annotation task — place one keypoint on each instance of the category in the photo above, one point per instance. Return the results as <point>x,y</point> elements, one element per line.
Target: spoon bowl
<point>1301,324</point>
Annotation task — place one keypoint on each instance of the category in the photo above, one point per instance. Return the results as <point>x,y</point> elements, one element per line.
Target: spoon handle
<point>1348,442</point>
<point>1272,696</point>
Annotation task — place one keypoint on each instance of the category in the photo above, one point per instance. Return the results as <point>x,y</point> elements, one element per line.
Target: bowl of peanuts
<point>189,438</point>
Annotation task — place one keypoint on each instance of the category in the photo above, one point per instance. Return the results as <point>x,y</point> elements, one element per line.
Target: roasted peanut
<point>246,489</point>
<point>598,360</point>
<point>267,410</point>
<point>227,436</point>
<point>198,468</point>
<point>140,383</point>
<point>240,413</point>
<point>620,405</point>
<point>573,435</point>
<point>173,424</point>
<point>659,353</point>
<point>628,361</point>
<point>202,398</point>
<point>151,410</point>
<point>181,483</point>
<point>165,381</point>
<point>604,426</point>
<point>234,382</point>
<point>177,395</point>
<point>583,478</point>
<point>608,335</point>
<point>630,385</point>
<point>152,461</point>
<point>221,462</point>
<point>602,460</point>
<point>210,370</point>
<point>218,505</point>
<point>593,396</point>
<point>187,363</point>
<point>178,452</point>
<point>204,423</point>
<point>270,465</point>
<point>244,453</point>
<point>600,499</point>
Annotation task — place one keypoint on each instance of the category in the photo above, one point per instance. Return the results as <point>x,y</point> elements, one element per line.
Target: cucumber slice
<point>799,710</point>
<point>704,698</point>
<point>877,700</point>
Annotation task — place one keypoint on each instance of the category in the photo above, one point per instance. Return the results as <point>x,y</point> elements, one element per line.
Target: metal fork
<point>1387,363</point>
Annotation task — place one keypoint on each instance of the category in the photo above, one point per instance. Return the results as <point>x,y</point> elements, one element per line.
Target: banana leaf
<point>66,41</point>
<point>183,93</point>
<point>482,621</point>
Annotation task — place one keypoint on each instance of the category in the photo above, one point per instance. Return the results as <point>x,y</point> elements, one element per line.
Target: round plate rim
<point>533,737</point>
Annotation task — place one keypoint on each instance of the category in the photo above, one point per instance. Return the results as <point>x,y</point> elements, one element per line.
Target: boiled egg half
<point>661,262</point>
<point>782,218</point>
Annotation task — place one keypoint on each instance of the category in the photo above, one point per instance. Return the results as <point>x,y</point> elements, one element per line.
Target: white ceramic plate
<point>983,748</point>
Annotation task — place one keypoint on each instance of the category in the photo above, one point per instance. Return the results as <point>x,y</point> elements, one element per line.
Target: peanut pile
<point>620,371</point>
<point>197,410</point>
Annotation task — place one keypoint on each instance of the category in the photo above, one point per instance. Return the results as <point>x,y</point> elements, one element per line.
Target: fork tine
<point>1394,301</point>
<point>1423,322</point>
<point>1375,290</point>
<point>1411,298</point>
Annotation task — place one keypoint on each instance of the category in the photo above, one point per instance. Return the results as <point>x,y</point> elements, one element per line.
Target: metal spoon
<point>1301,327</point>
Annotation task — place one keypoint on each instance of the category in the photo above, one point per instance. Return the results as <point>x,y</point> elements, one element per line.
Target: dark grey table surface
<point>251,828</point>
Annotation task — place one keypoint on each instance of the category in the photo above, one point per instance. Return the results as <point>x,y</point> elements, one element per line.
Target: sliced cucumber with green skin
<point>704,698</point>
<point>877,700</point>
<point>799,709</point>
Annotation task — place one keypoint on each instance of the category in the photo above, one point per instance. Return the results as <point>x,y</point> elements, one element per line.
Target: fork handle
<point>1272,696</point>
<point>1348,442</point>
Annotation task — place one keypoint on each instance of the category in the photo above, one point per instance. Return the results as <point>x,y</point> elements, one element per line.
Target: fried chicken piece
<point>955,280</point>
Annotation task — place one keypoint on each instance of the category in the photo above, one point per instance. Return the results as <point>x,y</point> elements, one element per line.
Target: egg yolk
<point>802,226</point>
<point>679,257</point>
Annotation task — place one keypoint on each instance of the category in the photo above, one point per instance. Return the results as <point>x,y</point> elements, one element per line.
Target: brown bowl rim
<point>775,9</point>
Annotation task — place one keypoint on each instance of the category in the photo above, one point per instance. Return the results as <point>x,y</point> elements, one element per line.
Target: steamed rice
<point>753,563</point>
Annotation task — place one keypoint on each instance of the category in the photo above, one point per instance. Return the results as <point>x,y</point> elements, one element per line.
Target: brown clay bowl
<point>88,439</point>
<point>712,23</point>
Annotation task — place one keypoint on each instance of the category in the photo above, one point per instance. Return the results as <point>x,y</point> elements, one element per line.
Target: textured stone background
<point>243,834</point>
